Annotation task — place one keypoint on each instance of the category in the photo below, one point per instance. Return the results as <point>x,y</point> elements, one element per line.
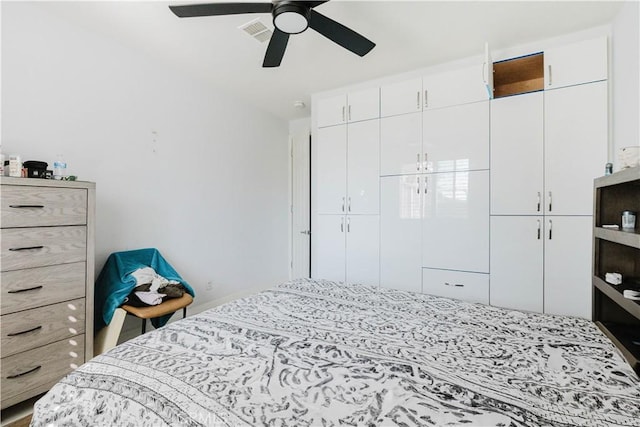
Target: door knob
<point>305,232</point>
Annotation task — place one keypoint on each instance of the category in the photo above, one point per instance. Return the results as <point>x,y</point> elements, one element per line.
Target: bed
<point>322,353</point>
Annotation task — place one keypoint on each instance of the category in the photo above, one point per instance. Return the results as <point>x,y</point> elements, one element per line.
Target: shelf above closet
<point>518,75</point>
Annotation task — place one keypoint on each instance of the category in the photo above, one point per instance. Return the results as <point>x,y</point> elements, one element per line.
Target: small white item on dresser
<point>15,166</point>
<point>631,294</point>
<point>613,278</point>
<point>611,226</point>
<point>629,157</point>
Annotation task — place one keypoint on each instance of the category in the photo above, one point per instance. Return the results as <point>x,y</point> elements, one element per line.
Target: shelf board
<point>621,177</point>
<point>628,238</point>
<point>623,337</point>
<point>615,294</point>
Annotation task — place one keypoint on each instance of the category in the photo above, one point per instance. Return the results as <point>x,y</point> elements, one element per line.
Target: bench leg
<point>144,325</point>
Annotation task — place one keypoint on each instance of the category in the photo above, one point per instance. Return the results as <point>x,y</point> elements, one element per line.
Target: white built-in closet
<point>431,184</point>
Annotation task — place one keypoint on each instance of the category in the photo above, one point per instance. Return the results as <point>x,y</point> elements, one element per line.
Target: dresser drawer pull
<point>26,248</point>
<point>27,206</point>
<point>457,285</point>
<point>17,291</point>
<point>13,334</point>
<point>10,377</point>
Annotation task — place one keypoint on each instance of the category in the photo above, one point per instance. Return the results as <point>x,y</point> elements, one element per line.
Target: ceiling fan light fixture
<point>291,18</point>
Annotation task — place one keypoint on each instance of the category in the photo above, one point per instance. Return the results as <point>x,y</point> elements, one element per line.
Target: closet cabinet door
<point>363,254</point>
<point>567,266</point>
<point>456,138</point>
<point>363,170</point>
<point>331,164</point>
<point>517,141</point>
<point>576,63</point>
<point>401,98</point>
<point>455,87</point>
<point>401,144</point>
<point>331,111</point>
<point>329,243</point>
<point>517,248</point>
<point>576,135</point>
<point>400,233</point>
<point>471,287</point>
<point>455,228</point>
<point>363,105</point>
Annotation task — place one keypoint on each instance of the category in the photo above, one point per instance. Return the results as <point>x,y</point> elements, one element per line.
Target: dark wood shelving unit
<point>617,251</point>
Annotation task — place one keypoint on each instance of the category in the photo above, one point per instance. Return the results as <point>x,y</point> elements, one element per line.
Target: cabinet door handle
<point>27,206</point>
<point>455,285</point>
<point>418,100</point>
<point>348,225</point>
<point>539,198</point>
<point>426,103</point>
<point>349,204</point>
<point>418,162</point>
<point>550,201</point>
<point>549,69</point>
<point>13,334</point>
<point>426,183</point>
<point>538,229</point>
<point>550,229</point>
<point>343,118</point>
<point>343,204</point>
<point>26,248</point>
<point>418,185</point>
<point>342,225</point>
<point>10,377</point>
<point>349,112</point>
<point>424,162</point>
<point>17,291</point>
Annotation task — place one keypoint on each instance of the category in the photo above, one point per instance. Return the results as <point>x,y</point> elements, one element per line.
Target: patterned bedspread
<point>323,354</point>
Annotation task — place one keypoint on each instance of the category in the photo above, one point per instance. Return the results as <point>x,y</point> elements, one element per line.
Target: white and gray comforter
<point>324,354</point>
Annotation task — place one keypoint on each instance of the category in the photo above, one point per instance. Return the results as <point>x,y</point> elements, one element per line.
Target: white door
<point>456,138</point>
<point>363,167</point>
<point>471,287</point>
<point>455,87</point>
<point>517,248</point>
<point>400,235</point>
<point>401,144</point>
<point>329,247</point>
<point>331,169</point>
<point>363,105</point>
<point>363,255</point>
<point>576,63</point>
<point>567,266</point>
<point>517,141</point>
<point>331,111</point>
<point>301,205</point>
<point>455,228</point>
<point>401,98</point>
<point>576,135</point>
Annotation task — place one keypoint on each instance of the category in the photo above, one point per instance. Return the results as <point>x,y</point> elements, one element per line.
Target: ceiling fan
<point>289,17</point>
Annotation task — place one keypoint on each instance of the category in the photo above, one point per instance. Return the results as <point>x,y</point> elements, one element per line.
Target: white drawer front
<point>27,374</point>
<point>42,246</point>
<point>43,206</point>
<point>36,287</point>
<point>471,287</point>
<point>29,329</point>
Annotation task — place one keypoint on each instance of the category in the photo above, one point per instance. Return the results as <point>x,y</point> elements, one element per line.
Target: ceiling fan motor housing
<point>291,17</point>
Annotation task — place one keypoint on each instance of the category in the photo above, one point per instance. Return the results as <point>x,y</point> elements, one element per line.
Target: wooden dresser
<point>46,279</point>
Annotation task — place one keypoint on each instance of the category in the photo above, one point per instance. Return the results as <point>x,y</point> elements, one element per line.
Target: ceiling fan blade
<point>276,48</point>
<point>211,9</point>
<point>315,3</point>
<point>340,34</point>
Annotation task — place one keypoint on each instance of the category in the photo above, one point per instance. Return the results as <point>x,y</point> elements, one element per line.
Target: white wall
<point>625,47</point>
<point>177,166</point>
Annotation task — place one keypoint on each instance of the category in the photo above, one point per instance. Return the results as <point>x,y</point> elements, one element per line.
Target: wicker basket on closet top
<point>47,269</point>
<point>617,251</point>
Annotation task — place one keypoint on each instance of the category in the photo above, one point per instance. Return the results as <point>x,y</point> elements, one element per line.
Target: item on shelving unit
<point>611,226</point>
<point>15,166</point>
<point>631,294</point>
<point>613,278</point>
<point>629,157</point>
<point>628,220</point>
<point>36,168</point>
<point>608,169</point>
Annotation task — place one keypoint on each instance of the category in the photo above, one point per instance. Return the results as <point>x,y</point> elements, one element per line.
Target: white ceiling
<point>409,35</point>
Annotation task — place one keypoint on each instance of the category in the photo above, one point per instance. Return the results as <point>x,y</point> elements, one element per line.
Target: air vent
<point>257,30</point>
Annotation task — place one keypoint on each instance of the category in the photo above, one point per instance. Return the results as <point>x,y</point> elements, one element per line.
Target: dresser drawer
<point>42,246</point>
<point>43,206</point>
<point>471,287</point>
<point>33,328</point>
<point>26,374</point>
<point>35,287</point>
